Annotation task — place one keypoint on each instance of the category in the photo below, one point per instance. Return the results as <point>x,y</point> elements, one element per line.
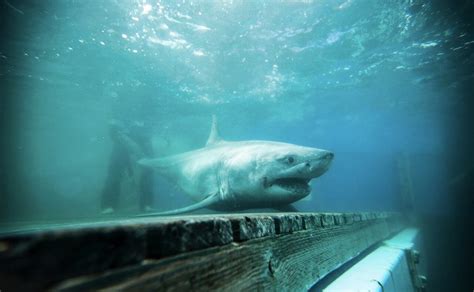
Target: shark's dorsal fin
<point>214,135</point>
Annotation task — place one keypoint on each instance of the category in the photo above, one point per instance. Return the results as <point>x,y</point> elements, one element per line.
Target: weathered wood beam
<point>270,251</point>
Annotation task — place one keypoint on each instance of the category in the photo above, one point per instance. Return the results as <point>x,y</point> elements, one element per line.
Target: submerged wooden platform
<point>269,251</point>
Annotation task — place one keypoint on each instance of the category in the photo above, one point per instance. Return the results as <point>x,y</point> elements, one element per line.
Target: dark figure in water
<point>129,145</point>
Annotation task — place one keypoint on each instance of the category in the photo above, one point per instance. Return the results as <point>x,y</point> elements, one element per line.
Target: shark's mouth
<point>293,184</point>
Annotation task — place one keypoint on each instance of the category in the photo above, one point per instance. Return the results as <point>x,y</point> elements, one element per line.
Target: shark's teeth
<point>292,184</point>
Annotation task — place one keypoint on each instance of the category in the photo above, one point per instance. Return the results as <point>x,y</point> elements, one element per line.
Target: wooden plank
<point>242,251</point>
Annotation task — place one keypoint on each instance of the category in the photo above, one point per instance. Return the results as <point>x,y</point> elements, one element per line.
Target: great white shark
<point>230,176</point>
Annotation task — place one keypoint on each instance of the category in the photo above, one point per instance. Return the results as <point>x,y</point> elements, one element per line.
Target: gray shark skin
<point>230,176</point>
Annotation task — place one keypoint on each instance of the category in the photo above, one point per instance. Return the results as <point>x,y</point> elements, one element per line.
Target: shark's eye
<point>291,159</point>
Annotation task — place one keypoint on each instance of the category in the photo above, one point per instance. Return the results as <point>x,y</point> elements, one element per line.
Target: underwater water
<point>384,85</point>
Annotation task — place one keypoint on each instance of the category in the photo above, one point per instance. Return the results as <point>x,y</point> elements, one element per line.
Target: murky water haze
<point>385,85</point>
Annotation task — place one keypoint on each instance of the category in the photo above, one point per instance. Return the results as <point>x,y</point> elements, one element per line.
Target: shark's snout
<point>316,167</point>
<point>328,155</point>
<point>325,158</point>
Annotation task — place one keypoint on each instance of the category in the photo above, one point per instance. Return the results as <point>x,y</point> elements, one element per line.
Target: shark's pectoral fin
<point>286,208</point>
<point>202,204</point>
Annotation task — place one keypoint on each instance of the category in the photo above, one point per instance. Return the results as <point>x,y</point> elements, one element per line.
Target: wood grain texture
<point>292,256</point>
<point>269,251</point>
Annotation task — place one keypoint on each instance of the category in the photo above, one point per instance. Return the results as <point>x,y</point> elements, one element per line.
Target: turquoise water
<point>375,82</point>
<point>384,85</point>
